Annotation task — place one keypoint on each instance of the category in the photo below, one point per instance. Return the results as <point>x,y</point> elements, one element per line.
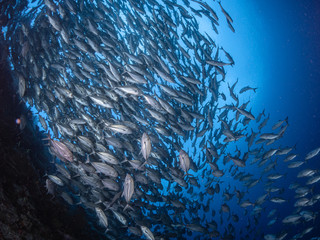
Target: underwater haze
<point>280,53</point>
<point>176,119</point>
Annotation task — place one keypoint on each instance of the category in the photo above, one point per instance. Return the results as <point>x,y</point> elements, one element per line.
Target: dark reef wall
<point>26,211</point>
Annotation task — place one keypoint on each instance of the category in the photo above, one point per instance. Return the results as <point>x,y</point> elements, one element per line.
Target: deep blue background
<point>276,48</point>
<point>293,30</point>
<point>285,40</point>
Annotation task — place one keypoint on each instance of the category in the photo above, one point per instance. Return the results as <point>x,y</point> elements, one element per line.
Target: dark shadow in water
<point>26,210</point>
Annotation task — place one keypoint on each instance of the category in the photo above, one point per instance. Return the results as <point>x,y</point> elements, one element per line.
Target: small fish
<point>147,233</point>
<point>60,150</point>
<point>226,14</point>
<point>247,88</point>
<point>128,189</point>
<point>103,220</point>
<point>145,146</point>
<point>120,129</point>
<point>184,161</point>
<point>56,180</point>
<point>312,154</point>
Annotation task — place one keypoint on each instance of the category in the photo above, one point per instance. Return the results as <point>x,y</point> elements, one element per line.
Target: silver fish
<point>102,217</point>
<point>147,233</point>
<point>145,146</point>
<point>128,189</point>
<point>184,161</point>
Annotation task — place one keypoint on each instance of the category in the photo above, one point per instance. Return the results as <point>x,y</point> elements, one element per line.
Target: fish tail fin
<point>87,160</point>
<point>125,160</point>
<point>128,206</point>
<point>314,215</point>
<point>187,174</point>
<point>22,100</point>
<point>48,138</point>
<point>100,122</point>
<point>108,206</point>
<point>125,71</point>
<point>312,189</point>
<point>205,146</point>
<point>275,164</point>
<point>145,162</point>
<point>255,89</point>
<point>93,152</point>
<point>268,193</point>
<point>287,119</point>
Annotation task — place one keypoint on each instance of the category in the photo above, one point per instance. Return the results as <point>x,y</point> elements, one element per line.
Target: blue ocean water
<point>276,49</point>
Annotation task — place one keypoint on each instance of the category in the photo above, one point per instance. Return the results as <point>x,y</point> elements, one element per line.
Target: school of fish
<point>144,138</point>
